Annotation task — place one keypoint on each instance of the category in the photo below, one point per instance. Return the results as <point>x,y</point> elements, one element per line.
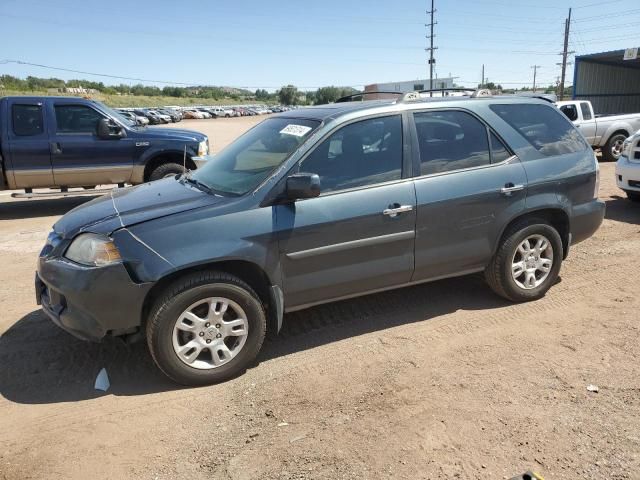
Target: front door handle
<point>509,188</point>
<point>396,209</point>
<point>56,149</point>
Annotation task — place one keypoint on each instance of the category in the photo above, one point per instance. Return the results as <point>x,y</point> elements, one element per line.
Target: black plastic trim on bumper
<point>89,302</point>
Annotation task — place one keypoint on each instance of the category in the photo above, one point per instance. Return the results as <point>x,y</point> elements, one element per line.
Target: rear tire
<point>169,311</point>
<point>511,258</point>
<point>633,196</point>
<point>613,148</point>
<point>166,170</point>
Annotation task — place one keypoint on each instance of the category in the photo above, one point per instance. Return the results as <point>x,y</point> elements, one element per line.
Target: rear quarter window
<point>543,127</point>
<point>27,120</point>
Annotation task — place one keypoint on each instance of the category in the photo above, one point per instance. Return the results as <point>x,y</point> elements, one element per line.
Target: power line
<point>106,75</point>
<point>600,17</point>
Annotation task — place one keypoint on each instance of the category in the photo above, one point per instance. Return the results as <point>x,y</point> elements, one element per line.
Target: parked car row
<point>227,112</point>
<point>173,114</point>
<point>153,116</point>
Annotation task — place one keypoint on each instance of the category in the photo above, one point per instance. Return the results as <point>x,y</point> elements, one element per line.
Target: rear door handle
<point>56,149</point>
<point>396,209</point>
<point>509,188</point>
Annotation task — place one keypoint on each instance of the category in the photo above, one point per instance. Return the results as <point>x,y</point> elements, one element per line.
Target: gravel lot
<point>443,380</point>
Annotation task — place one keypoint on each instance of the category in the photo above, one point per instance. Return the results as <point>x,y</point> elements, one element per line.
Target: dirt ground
<point>443,380</point>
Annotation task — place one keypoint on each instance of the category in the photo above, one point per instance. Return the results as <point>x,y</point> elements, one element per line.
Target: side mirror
<point>303,185</point>
<point>108,129</point>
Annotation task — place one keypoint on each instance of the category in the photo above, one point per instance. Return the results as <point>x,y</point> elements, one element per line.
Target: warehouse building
<point>610,80</point>
<point>408,85</point>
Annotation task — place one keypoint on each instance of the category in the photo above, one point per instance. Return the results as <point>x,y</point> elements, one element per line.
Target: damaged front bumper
<point>89,302</point>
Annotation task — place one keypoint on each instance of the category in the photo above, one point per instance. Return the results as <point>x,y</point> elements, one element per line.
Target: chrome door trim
<point>363,242</point>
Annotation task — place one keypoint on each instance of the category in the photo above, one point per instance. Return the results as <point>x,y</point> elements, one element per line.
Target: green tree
<point>331,94</point>
<point>288,95</point>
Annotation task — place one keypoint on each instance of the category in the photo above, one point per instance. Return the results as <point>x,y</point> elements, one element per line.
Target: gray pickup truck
<point>606,132</point>
<point>74,142</point>
<point>320,204</point>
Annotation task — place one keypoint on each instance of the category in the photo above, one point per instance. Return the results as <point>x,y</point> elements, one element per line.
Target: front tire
<point>613,148</point>
<point>166,170</point>
<point>527,262</point>
<point>206,328</point>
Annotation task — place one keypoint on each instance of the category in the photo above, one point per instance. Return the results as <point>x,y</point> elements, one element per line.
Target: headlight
<point>203,147</point>
<point>93,250</point>
<point>626,148</point>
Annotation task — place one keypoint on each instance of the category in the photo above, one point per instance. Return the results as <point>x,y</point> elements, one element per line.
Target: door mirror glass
<point>303,185</point>
<point>107,129</point>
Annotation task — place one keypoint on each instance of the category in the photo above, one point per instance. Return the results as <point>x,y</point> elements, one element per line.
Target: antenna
<point>184,159</point>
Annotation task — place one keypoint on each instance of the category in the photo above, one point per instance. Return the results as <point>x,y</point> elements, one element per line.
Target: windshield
<point>117,115</point>
<point>245,163</point>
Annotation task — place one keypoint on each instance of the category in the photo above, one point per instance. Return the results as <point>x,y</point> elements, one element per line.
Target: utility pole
<point>431,48</point>
<point>535,71</point>
<point>482,81</point>
<point>565,52</point>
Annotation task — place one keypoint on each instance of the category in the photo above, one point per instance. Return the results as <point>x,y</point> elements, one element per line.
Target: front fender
<point>167,245</point>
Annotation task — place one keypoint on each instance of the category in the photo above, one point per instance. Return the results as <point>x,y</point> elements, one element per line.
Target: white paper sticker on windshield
<point>296,130</point>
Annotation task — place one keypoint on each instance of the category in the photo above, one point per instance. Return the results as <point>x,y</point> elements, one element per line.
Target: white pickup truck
<point>628,168</point>
<point>606,132</point>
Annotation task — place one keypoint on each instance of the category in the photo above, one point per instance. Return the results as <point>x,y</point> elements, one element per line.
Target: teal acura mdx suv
<point>318,204</point>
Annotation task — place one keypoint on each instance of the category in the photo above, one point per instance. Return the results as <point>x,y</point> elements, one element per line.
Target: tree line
<point>287,95</point>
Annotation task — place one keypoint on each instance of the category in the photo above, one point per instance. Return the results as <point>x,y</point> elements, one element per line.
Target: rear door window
<point>543,127</point>
<point>451,140</point>
<point>27,120</point>
<point>499,153</point>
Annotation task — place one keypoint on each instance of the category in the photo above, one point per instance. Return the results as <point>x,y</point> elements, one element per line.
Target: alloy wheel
<point>532,262</point>
<point>210,333</point>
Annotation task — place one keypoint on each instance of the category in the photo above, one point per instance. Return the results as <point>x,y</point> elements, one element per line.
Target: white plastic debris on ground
<point>102,381</point>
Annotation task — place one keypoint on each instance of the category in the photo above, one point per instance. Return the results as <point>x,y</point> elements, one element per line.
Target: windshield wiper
<point>197,183</point>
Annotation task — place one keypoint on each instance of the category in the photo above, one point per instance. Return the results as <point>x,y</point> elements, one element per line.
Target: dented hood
<point>129,206</point>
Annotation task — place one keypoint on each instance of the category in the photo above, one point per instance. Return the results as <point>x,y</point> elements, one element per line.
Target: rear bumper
<point>628,175</point>
<point>586,219</point>
<point>89,303</point>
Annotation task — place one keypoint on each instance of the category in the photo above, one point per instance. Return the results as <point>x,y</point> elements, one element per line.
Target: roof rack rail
<point>350,98</point>
<point>549,97</point>
<point>473,93</point>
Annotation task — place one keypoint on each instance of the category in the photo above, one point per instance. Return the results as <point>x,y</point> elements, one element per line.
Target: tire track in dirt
<point>367,353</point>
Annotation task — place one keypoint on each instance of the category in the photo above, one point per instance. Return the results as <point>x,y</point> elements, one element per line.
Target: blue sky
<point>251,43</point>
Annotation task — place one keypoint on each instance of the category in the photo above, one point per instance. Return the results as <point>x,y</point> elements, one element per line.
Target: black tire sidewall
<point>515,292</point>
<point>166,168</point>
<point>607,154</point>
<point>161,340</point>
